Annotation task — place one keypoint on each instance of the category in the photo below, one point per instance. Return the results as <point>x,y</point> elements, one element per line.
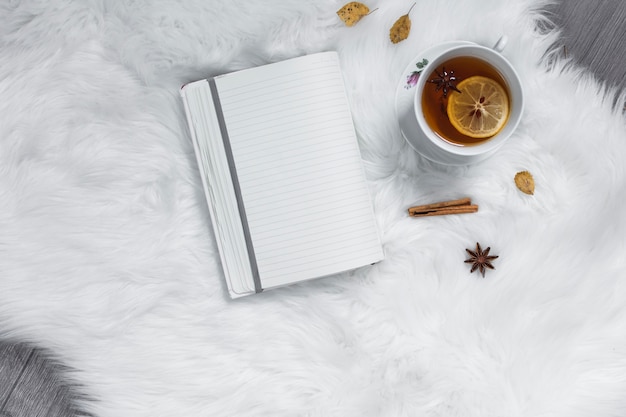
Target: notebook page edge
<point>234,290</point>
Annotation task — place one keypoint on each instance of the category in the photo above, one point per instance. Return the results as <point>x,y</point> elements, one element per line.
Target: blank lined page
<point>299,169</point>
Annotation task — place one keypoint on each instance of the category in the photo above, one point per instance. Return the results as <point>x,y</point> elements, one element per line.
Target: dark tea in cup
<point>460,128</point>
<point>465,101</point>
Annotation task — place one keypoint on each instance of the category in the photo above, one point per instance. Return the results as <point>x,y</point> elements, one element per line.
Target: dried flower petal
<point>525,182</point>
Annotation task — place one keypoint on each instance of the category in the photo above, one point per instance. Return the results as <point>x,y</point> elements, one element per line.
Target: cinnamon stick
<point>441,204</point>
<point>468,208</point>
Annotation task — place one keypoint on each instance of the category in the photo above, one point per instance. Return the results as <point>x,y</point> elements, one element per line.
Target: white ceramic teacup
<point>425,141</point>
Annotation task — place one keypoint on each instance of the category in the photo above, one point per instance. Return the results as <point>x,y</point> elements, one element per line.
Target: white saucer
<point>405,94</point>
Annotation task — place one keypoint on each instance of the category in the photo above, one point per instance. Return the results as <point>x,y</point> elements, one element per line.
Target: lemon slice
<point>481,109</point>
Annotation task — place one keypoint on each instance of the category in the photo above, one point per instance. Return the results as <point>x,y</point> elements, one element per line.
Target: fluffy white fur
<point>108,259</point>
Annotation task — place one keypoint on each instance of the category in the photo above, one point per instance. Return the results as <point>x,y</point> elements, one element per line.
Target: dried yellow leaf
<point>401,29</point>
<point>352,12</point>
<point>525,182</point>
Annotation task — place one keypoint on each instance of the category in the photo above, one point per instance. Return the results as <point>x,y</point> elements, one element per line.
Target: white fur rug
<point>107,256</point>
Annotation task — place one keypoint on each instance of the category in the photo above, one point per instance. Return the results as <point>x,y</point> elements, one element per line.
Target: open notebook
<point>282,172</point>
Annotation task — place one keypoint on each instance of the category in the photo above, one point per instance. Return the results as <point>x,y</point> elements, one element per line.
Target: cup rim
<point>517,104</point>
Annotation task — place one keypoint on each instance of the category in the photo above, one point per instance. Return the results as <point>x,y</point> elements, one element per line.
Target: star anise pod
<point>446,81</point>
<point>480,259</point>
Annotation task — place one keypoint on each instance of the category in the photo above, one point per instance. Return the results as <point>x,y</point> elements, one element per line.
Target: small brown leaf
<point>525,182</point>
<point>401,28</point>
<point>352,12</point>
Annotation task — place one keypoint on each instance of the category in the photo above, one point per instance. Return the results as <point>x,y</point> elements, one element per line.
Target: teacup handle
<point>501,44</point>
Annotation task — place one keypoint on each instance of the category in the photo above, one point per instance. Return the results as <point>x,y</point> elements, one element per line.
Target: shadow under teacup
<point>434,88</point>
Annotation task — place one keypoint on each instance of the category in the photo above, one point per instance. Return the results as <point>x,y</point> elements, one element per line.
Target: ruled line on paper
<point>315,238</point>
<point>288,131</point>
<point>290,176</point>
<point>280,259</point>
<point>267,236</point>
<point>301,188</point>
<point>272,100</point>
<point>312,267</point>
<point>299,169</point>
<point>304,208</point>
<point>302,124</point>
<point>314,136</point>
<point>283,81</point>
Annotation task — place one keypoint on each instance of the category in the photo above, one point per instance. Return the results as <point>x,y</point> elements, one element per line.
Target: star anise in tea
<point>480,259</point>
<point>446,81</point>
